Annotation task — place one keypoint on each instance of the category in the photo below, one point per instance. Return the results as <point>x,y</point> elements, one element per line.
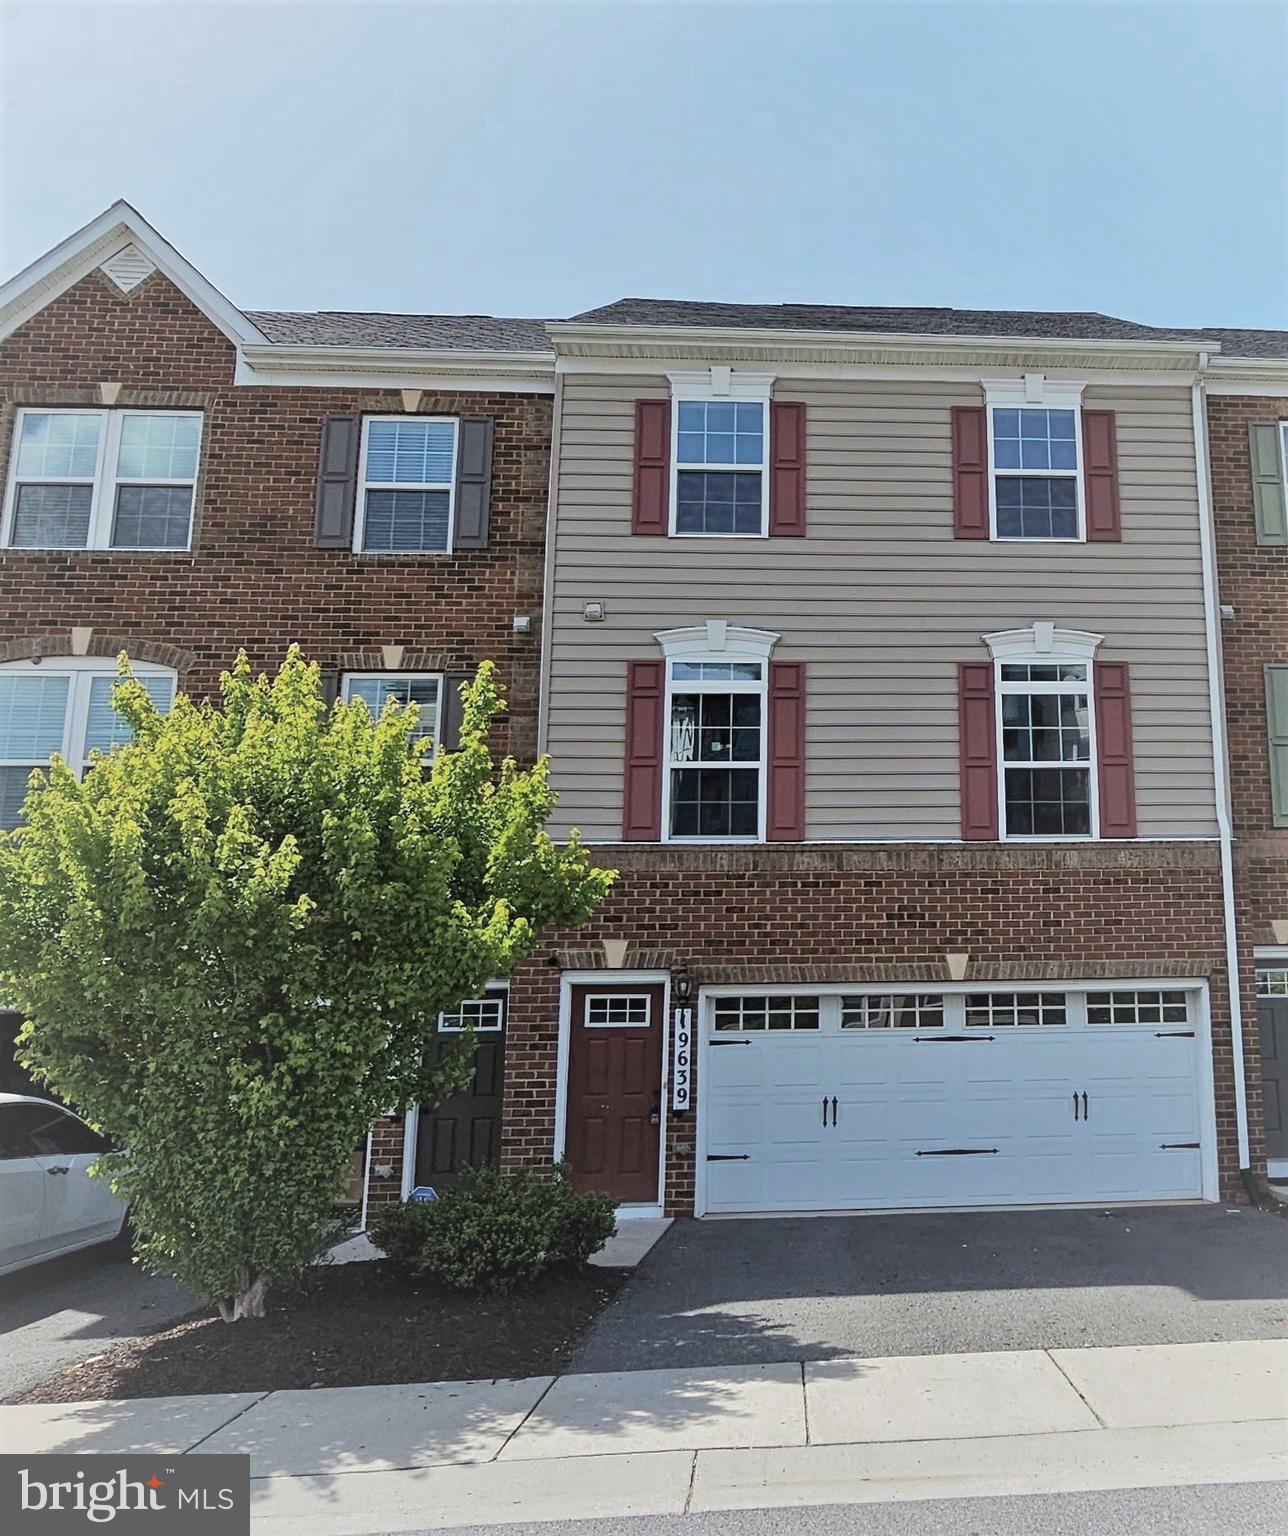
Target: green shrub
<point>496,1231</point>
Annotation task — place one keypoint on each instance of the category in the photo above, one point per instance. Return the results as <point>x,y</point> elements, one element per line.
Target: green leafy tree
<point>231,938</point>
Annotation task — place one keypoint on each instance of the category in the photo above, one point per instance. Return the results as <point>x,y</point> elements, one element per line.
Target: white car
<point>48,1203</point>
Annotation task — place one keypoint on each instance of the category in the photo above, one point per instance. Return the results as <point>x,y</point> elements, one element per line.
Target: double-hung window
<point>102,479</point>
<point>715,750</point>
<point>721,467</point>
<point>1045,717</point>
<point>62,706</point>
<point>424,689</point>
<point>1035,473</point>
<point>407,480</point>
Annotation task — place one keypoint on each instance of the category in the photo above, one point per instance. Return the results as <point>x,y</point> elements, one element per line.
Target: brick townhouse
<point>1246,392</point>
<point>877,649</point>
<point>184,479</point>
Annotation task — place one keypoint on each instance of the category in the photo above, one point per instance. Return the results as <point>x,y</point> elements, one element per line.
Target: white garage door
<point>864,1101</point>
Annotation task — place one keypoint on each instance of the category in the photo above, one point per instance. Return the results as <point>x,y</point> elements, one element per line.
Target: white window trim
<point>360,512</point>
<point>1044,645</point>
<point>1036,392</point>
<point>406,677</point>
<point>81,670</point>
<point>1283,455</point>
<point>102,510</point>
<point>719,384</point>
<point>717,641</point>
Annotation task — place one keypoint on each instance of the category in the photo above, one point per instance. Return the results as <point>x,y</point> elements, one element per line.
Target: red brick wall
<point>254,578</point>
<point>1253,581</point>
<point>877,914</point>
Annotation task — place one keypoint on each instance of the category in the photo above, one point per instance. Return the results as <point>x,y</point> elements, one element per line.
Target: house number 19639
<point>683,1032</point>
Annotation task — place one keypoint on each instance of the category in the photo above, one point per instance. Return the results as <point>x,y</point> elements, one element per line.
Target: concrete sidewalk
<point>344,1461</point>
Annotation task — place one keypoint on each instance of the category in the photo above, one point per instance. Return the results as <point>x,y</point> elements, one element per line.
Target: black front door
<point>465,1130</point>
<point>1273,1014</point>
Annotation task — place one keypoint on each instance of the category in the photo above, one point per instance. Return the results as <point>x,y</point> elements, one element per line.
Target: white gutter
<point>1220,760</point>
<point>548,581</point>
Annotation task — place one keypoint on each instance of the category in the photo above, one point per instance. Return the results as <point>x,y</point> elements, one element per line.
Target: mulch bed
<point>366,1324</point>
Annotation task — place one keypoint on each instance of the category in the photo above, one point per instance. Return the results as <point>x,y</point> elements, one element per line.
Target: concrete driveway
<point>65,1310</point>
<point>732,1292</point>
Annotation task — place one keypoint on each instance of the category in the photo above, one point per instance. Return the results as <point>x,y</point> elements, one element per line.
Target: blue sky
<point>542,158</point>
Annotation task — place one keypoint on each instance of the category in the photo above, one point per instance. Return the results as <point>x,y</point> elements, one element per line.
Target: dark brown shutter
<point>1116,775</point>
<point>1100,476</point>
<point>652,488</point>
<point>970,471</point>
<point>642,791</point>
<point>977,731</point>
<point>786,820</point>
<point>787,469</point>
<point>453,709</point>
<point>330,678</point>
<point>337,482</point>
<point>473,482</point>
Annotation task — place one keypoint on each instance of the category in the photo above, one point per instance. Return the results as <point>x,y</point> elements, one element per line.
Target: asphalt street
<point>1216,1509</point>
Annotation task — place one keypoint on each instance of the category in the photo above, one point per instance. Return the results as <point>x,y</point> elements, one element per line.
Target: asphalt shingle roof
<point>897,320</point>
<point>489,333</point>
<point>455,333</point>
<point>888,319</point>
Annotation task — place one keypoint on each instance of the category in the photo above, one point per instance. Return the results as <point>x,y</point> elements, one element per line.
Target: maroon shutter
<point>642,792</point>
<point>1100,476</point>
<point>970,472</point>
<point>977,729</point>
<point>786,820</point>
<point>1117,778</point>
<point>652,489</point>
<point>787,469</point>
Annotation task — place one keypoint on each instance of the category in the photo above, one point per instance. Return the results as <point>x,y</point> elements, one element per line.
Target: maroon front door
<point>615,1090</point>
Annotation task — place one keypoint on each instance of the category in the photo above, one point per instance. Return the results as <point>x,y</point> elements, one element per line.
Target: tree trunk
<point>247,1303</point>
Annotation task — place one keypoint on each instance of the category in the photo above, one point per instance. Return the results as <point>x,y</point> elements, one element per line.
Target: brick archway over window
<point>63,643</point>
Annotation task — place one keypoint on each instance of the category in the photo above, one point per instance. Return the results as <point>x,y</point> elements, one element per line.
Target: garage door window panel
<point>1137,1008</point>
<point>893,1011</point>
<point>759,1014</point>
<point>1016,1010</point>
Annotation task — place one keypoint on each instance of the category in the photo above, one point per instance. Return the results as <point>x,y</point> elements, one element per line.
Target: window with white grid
<point>721,457</point>
<point>607,1010</point>
<point>1137,1008</point>
<point>479,1014</point>
<point>1014,1010</point>
<point>1035,473</point>
<point>1045,722</point>
<point>715,749</point>
<point>62,706</point>
<point>1272,981</point>
<point>102,479</point>
<point>408,474</point>
<point>423,689</point>
<point>741,1014</point>
<point>910,1010</point>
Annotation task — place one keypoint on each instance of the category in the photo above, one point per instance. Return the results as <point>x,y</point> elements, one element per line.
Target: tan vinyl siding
<point>881,602</point>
